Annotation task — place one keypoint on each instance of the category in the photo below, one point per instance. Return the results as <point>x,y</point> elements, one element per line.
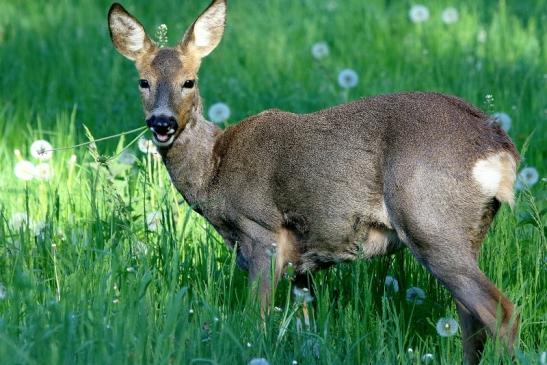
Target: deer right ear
<point>206,32</point>
<point>127,33</point>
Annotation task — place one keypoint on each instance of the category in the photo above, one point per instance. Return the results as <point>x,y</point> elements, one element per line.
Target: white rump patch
<point>496,176</point>
<point>487,172</point>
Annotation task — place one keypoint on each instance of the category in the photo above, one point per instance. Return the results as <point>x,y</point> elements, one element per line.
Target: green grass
<point>96,286</point>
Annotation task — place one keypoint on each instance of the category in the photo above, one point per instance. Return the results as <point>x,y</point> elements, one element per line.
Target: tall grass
<point>112,267</point>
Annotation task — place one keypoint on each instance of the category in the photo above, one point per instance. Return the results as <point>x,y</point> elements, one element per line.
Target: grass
<point>87,282</point>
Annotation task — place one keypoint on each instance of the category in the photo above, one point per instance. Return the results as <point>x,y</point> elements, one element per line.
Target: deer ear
<point>127,33</point>
<point>206,32</point>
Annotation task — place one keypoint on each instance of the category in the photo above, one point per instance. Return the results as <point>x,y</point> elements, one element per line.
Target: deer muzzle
<point>163,129</point>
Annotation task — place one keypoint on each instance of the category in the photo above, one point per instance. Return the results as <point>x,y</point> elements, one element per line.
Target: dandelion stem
<point>100,139</point>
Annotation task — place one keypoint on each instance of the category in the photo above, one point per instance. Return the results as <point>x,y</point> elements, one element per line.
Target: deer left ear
<point>206,32</point>
<point>127,33</point>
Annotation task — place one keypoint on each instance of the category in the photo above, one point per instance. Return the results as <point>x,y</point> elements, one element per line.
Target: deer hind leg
<point>445,238</point>
<point>473,334</point>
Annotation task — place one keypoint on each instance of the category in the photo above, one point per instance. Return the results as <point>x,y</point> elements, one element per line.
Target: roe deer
<point>423,170</point>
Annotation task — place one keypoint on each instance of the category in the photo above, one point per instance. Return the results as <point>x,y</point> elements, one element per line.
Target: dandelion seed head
<point>320,50</point>
<point>147,146</point>
<point>418,13</point>
<point>3,292</point>
<point>191,311</point>
<point>447,327</point>
<point>503,119</point>
<point>72,160</point>
<point>41,150</point>
<point>259,361</point>
<point>391,284</point>
<point>427,358</point>
<point>543,358</point>
<point>219,112</point>
<point>415,295</point>
<point>25,170</point>
<point>482,36</point>
<point>44,171</point>
<point>528,176</point>
<point>127,158</point>
<point>18,220</point>
<point>348,78</point>
<point>450,15</point>
<point>249,344</point>
<point>302,294</point>
<point>153,220</point>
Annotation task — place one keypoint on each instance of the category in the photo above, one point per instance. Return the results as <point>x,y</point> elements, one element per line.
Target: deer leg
<point>473,335</point>
<point>480,303</point>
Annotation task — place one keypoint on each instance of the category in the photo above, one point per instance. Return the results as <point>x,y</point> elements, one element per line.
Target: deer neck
<point>189,160</point>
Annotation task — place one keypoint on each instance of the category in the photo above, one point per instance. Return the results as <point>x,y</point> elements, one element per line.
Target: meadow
<point>102,261</point>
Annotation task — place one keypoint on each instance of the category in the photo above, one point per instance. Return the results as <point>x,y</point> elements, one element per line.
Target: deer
<point>423,171</point>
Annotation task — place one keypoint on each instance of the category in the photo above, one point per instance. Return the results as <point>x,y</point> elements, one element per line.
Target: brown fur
<point>356,180</point>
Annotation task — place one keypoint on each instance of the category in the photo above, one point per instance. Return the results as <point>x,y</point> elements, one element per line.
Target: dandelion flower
<point>528,176</point>
<point>219,112</point>
<point>418,13</point>
<point>153,220</point>
<point>391,284</point>
<point>427,358</point>
<point>347,78</point>
<point>503,119</point>
<point>320,50</point>
<point>450,15</point>
<point>415,295</point>
<point>127,158</point>
<point>259,361</point>
<point>302,294</point>
<point>147,146</point>
<point>25,170</point>
<point>41,150</point>
<point>44,171</point>
<point>3,292</point>
<point>447,327</point>
<point>18,220</point>
<point>294,362</point>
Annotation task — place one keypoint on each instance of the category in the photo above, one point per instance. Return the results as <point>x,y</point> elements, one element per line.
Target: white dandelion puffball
<point>528,176</point>
<point>259,361</point>
<point>44,171</point>
<point>348,78</point>
<point>3,292</point>
<point>543,358</point>
<point>147,146</point>
<point>153,220</point>
<point>18,220</point>
<point>41,150</point>
<point>450,15</point>
<point>302,294</point>
<point>219,113</point>
<point>25,170</point>
<point>427,358</point>
<point>447,327</point>
<point>481,36</point>
<point>320,50</point>
<point>418,13</point>
<point>72,160</point>
<point>127,158</point>
<point>503,119</point>
<point>391,284</point>
<point>415,295</point>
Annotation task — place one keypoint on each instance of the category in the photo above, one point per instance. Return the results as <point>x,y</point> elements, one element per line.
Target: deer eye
<point>188,84</point>
<point>144,84</point>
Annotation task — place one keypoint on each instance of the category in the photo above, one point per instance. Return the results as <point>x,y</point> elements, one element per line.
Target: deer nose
<point>162,124</point>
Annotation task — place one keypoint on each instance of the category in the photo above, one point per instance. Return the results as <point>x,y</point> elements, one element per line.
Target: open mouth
<point>163,138</point>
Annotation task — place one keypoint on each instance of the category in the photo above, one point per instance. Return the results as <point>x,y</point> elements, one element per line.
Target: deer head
<point>168,76</point>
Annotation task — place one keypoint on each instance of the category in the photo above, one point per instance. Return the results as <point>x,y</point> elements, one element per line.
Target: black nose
<point>162,124</point>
